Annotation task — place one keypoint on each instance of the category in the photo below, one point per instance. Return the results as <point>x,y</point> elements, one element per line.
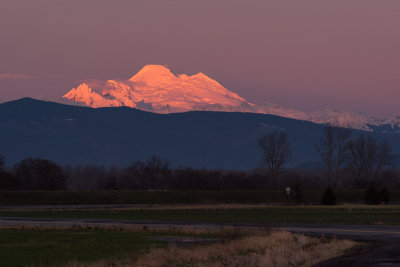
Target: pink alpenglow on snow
<point>156,88</point>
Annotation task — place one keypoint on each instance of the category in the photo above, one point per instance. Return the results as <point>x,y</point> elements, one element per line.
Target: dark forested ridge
<point>118,136</point>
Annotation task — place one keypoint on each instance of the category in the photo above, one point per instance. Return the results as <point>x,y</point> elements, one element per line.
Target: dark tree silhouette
<point>8,181</point>
<point>2,163</point>
<point>332,151</point>
<point>132,177</point>
<point>367,158</point>
<point>276,152</point>
<point>328,197</point>
<point>40,174</point>
<point>156,173</point>
<point>372,195</point>
<point>152,174</point>
<point>111,180</point>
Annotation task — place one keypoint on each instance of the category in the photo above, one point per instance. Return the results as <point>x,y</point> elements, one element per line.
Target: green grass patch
<point>51,247</point>
<point>344,214</point>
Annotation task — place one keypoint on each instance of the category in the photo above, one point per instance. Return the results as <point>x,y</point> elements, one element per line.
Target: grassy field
<point>122,247</point>
<point>342,214</point>
<point>172,197</point>
<point>30,247</point>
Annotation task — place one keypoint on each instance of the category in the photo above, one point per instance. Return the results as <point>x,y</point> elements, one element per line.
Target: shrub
<point>385,196</point>
<point>298,194</point>
<point>372,195</point>
<point>328,197</point>
<point>8,181</point>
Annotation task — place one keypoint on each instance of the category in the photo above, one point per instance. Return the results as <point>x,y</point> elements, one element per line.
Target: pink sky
<point>307,55</point>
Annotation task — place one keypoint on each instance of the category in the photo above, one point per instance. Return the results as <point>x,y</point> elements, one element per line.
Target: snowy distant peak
<point>160,73</point>
<point>154,73</point>
<point>348,119</point>
<point>155,69</point>
<point>157,89</point>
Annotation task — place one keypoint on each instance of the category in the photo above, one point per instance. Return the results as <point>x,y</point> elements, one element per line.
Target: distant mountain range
<point>120,135</point>
<point>156,89</point>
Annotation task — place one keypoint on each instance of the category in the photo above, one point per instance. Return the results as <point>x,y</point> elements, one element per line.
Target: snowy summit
<point>155,88</point>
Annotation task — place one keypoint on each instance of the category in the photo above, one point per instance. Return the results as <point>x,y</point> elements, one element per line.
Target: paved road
<point>356,232</point>
<point>383,248</point>
<point>113,206</point>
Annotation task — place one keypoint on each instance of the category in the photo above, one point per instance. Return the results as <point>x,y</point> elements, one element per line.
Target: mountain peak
<point>155,88</point>
<point>155,67</point>
<point>202,76</point>
<point>153,72</point>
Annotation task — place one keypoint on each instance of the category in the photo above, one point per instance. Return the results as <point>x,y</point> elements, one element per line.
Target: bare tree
<point>368,157</point>
<point>332,151</point>
<point>276,152</point>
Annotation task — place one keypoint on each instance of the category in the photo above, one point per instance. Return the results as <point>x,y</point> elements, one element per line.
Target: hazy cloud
<point>17,76</point>
<point>55,76</point>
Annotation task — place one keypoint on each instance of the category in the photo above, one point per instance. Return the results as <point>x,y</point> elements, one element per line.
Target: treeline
<point>348,162</point>
<point>156,174</point>
<point>357,161</point>
<point>32,174</point>
<point>360,161</point>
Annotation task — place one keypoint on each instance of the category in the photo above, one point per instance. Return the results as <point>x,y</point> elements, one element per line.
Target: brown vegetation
<point>252,249</point>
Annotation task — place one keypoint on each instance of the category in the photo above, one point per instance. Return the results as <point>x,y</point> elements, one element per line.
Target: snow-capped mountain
<point>348,119</point>
<point>155,88</point>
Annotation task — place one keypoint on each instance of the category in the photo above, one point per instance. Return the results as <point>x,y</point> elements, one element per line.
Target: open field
<point>143,243</point>
<point>172,197</point>
<point>41,247</point>
<point>266,214</point>
<point>76,246</point>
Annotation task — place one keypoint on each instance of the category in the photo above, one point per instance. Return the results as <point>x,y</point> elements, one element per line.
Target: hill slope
<point>120,135</point>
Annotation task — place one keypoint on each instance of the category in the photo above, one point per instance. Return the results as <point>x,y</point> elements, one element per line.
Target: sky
<point>308,55</point>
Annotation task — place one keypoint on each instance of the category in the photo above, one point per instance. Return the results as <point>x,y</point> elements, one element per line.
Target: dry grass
<point>253,249</point>
<point>277,249</point>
